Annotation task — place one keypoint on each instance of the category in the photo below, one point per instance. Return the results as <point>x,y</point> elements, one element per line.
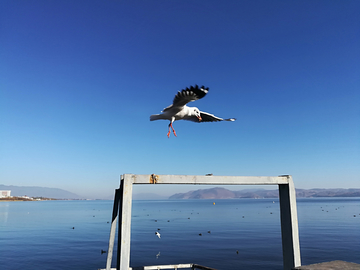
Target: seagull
<point>157,234</point>
<point>180,111</point>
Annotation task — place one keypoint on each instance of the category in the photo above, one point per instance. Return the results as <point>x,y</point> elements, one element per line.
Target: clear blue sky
<point>79,80</point>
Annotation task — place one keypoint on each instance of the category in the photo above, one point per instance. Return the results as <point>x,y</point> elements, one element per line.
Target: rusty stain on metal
<point>153,178</point>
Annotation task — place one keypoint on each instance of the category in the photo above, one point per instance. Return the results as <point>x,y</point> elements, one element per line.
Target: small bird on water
<point>180,111</point>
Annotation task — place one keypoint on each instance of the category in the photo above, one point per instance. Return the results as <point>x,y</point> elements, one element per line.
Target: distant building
<point>5,193</point>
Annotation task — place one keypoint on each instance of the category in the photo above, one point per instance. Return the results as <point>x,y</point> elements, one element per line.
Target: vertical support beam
<point>289,225</point>
<point>118,253</point>
<point>114,219</point>
<point>123,256</point>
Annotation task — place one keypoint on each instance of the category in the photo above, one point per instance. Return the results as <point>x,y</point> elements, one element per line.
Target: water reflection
<point>4,212</point>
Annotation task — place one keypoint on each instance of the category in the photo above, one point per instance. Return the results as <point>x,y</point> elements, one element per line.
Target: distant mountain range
<point>223,193</point>
<point>211,193</point>
<point>55,193</point>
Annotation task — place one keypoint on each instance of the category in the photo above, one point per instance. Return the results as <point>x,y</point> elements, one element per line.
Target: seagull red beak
<point>199,118</point>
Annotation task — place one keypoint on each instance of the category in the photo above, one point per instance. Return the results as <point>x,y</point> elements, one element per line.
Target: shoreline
<point>22,199</point>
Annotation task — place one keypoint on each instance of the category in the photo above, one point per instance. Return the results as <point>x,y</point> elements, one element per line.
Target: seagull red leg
<point>172,129</point>
<point>168,134</point>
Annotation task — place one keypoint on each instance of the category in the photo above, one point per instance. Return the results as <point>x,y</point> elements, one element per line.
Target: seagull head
<point>197,113</point>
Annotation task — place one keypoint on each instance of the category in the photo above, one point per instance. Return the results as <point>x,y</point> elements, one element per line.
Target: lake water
<point>71,234</point>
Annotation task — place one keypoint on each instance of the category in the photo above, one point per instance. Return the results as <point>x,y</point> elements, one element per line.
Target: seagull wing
<point>208,117</point>
<point>187,95</point>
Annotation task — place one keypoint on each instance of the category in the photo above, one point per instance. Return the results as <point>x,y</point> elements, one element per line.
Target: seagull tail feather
<point>154,117</point>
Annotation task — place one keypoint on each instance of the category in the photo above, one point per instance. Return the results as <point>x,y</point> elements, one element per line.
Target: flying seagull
<point>157,234</point>
<point>180,111</point>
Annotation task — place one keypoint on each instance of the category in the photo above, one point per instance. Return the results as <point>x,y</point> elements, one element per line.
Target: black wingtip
<point>204,88</point>
<point>199,92</point>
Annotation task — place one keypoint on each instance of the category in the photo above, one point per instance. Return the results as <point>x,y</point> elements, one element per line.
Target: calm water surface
<point>71,234</point>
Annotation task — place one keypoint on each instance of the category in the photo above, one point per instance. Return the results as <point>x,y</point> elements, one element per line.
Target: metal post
<point>118,252</point>
<point>289,225</point>
<point>113,228</point>
<point>123,255</point>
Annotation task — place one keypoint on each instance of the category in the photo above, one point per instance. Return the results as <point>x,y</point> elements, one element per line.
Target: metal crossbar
<point>123,203</point>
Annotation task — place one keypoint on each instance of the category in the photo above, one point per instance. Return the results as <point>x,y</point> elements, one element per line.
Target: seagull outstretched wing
<point>187,95</point>
<point>208,117</point>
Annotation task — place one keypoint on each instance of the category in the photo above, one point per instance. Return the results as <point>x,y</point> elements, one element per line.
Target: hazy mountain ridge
<point>211,193</point>
<point>55,193</point>
<point>223,193</point>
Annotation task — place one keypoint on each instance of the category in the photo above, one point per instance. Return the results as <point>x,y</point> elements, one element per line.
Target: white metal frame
<point>123,202</point>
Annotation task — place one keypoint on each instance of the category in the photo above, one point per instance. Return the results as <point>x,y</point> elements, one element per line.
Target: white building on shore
<point>5,193</point>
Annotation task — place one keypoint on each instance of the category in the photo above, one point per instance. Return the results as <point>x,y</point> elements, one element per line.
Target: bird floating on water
<point>180,111</point>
